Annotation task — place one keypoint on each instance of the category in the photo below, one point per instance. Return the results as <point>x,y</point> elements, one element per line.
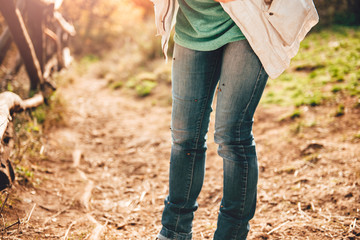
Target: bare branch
<point>11,102</point>
<point>69,28</point>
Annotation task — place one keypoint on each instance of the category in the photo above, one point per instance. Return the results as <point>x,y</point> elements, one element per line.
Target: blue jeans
<point>241,79</point>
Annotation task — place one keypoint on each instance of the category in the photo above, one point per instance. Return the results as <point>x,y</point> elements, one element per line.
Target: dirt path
<point>117,143</point>
<point>106,173</point>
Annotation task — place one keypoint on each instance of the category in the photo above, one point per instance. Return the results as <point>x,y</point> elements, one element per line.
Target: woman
<point>230,47</point>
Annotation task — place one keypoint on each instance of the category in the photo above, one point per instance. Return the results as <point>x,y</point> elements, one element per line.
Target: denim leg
<point>194,77</point>
<point>242,82</point>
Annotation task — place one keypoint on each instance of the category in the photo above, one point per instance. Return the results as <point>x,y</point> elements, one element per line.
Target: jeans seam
<point>197,135</point>
<point>239,132</point>
<point>177,220</point>
<point>245,186</point>
<point>236,232</point>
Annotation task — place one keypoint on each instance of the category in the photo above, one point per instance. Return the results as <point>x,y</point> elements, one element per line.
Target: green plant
<point>145,87</point>
<point>9,87</point>
<point>39,114</point>
<point>295,114</point>
<point>340,110</point>
<point>23,174</point>
<point>116,85</point>
<point>327,63</point>
<point>357,136</point>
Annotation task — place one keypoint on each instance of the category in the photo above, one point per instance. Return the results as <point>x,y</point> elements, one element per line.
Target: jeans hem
<point>166,234</point>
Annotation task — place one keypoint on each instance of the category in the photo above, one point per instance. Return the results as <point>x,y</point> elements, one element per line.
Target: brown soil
<point>105,173</point>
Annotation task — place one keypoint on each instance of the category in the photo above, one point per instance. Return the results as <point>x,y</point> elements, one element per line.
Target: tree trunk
<point>5,43</point>
<point>35,20</point>
<point>22,41</point>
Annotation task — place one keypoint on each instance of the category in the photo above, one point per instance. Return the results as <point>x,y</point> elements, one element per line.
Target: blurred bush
<point>104,25</point>
<point>343,12</point>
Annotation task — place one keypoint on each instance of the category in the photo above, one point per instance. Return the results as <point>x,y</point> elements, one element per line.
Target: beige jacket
<point>274,30</point>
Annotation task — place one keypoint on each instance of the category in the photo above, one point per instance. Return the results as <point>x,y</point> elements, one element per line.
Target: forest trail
<point>117,145</point>
<point>106,172</point>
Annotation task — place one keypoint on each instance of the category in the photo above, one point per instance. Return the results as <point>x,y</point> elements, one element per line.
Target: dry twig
<point>88,189</point>
<point>68,230</point>
<point>76,155</point>
<point>278,227</point>
<point>31,212</point>
<point>352,225</point>
<point>6,198</point>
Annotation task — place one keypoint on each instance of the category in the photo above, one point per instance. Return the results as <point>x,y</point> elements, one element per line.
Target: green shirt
<point>203,25</point>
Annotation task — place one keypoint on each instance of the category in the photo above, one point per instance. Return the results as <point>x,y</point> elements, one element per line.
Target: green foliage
<point>9,87</point>
<point>312,158</point>
<point>144,87</point>
<point>357,136</point>
<point>30,127</point>
<point>24,175</point>
<point>327,64</point>
<point>116,85</point>
<point>137,77</point>
<point>142,83</point>
<point>295,114</point>
<point>24,172</point>
<point>340,110</point>
<point>39,114</point>
<point>131,83</point>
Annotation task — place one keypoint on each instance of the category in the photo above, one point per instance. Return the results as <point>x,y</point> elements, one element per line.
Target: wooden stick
<point>58,4</point>
<point>66,26</point>
<point>15,223</point>
<point>76,156</point>
<point>67,58</point>
<point>48,32</point>
<point>88,189</point>
<point>53,62</point>
<point>68,230</point>
<point>278,227</point>
<point>33,102</point>
<point>11,102</point>
<point>6,198</point>
<point>31,212</point>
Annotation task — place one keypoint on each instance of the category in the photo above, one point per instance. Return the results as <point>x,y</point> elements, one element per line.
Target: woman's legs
<point>241,84</point>
<point>194,77</point>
